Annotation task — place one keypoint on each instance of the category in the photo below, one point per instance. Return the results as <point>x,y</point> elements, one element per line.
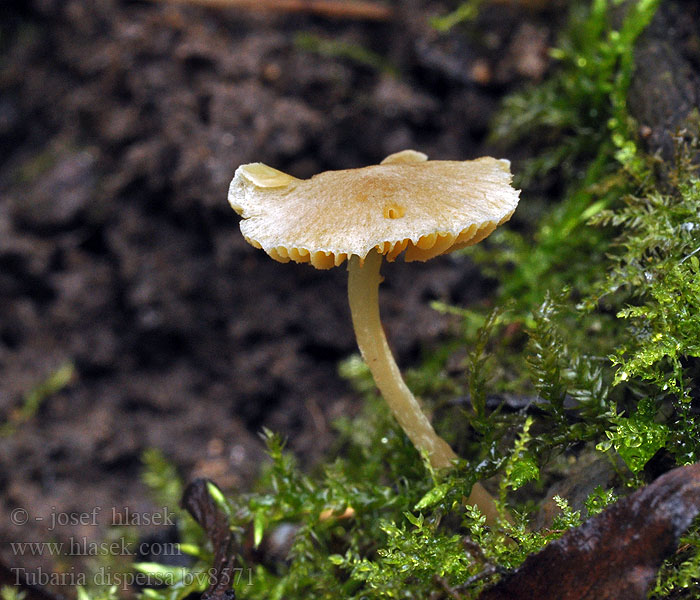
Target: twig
<point>447,588</point>
<point>352,9</point>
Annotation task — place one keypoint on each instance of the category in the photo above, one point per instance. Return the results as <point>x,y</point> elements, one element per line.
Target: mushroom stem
<point>363,294</point>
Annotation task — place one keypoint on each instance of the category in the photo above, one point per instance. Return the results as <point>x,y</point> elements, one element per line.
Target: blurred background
<point>132,313</point>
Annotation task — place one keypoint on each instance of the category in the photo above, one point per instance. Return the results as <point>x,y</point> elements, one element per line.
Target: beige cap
<point>425,207</point>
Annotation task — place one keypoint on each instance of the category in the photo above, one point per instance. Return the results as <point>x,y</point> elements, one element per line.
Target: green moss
<point>679,578</point>
<point>578,129</point>
<point>32,401</point>
<point>598,307</point>
<point>11,593</point>
<point>343,50</point>
<point>466,11</point>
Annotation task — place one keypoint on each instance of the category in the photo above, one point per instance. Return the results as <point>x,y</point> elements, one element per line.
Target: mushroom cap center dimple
<point>394,211</point>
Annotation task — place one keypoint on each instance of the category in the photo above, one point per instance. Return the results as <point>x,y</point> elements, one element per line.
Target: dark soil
<point>121,124</point>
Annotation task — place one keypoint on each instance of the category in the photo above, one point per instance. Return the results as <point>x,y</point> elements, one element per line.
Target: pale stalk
<point>363,294</point>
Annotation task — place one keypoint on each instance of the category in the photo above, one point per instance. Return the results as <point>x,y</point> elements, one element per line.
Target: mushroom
<point>408,204</point>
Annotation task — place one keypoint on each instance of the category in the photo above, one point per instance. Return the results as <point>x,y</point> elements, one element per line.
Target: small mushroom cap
<point>425,207</point>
